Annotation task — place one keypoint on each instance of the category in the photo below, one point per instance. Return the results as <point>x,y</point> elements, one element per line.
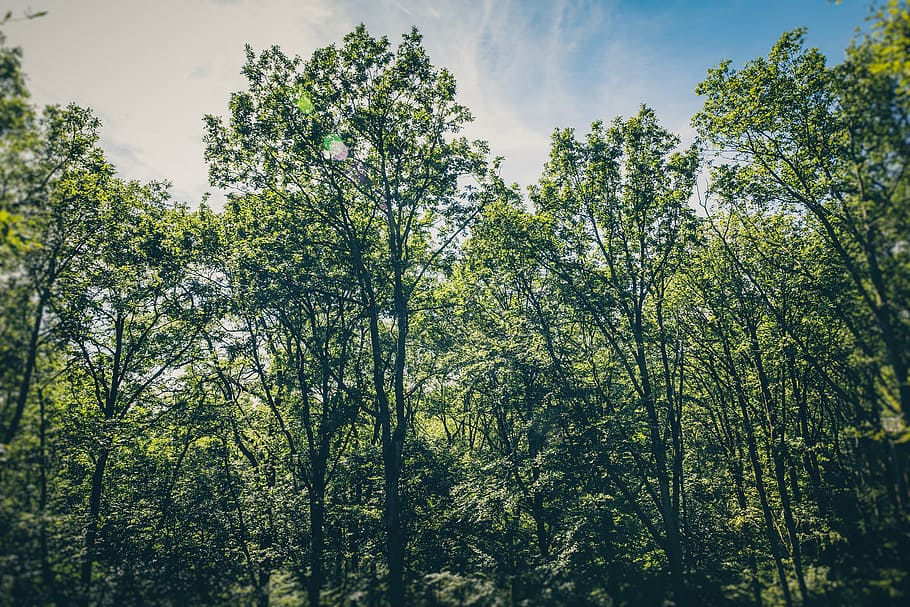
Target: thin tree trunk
<point>669,516</point>
<point>91,530</point>
<point>776,438</point>
<point>392,440</point>
<point>265,568</point>
<point>394,531</point>
<point>674,405</point>
<point>47,573</point>
<point>770,529</point>
<point>30,360</point>
<point>317,533</point>
<point>393,453</point>
<point>737,471</point>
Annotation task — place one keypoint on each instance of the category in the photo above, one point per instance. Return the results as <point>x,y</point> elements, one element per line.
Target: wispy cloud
<point>153,69</point>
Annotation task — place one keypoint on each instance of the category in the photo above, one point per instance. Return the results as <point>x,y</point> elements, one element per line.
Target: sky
<point>150,70</point>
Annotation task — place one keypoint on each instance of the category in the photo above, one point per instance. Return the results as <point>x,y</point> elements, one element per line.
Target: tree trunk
<point>265,568</point>
<point>47,573</point>
<point>394,531</point>
<point>392,443</point>
<point>770,529</point>
<point>776,437</point>
<point>737,471</point>
<point>91,530</point>
<point>674,405</point>
<point>773,537</point>
<point>392,437</point>
<point>393,452</point>
<point>670,517</point>
<point>30,359</point>
<point>317,534</point>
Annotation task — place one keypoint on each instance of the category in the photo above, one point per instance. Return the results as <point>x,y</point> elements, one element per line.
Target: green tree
<point>618,206</point>
<point>52,166</point>
<point>303,335</point>
<point>831,143</point>
<point>375,162</point>
<point>128,319</point>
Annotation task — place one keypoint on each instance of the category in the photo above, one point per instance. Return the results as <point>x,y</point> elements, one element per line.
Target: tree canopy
<point>381,376</point>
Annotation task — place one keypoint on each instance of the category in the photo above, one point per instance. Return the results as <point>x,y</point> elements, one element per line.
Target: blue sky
<point>151,70</point>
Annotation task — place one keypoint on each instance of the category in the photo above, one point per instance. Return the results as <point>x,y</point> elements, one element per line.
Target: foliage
<point>382,376</point>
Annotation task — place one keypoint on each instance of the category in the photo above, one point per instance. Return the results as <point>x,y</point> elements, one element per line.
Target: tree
<point>619,203</point>
<point>52,166</point>
<point>831,143</point>
<point>376,164</point>
<point>300,329</point>
<point>367,381</point>
<point>128,319</point>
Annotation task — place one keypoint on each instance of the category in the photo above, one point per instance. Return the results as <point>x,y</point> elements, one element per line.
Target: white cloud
<point>151,70</point>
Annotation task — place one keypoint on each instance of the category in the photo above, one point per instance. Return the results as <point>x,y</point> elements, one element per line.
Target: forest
<point>382,376</point>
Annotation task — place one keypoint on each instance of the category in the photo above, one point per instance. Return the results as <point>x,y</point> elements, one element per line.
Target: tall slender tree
<point>619,201</point>
<point>361,136</point>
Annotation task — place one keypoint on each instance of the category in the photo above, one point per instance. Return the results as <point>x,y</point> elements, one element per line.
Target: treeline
<point>382,376</point>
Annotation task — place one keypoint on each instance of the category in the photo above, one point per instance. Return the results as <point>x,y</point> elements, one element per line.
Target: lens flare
<point>336,148</point>
<point>338,151</point>
<point>304,103</point>
<point>329,140</point>
<point>357,175</point>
